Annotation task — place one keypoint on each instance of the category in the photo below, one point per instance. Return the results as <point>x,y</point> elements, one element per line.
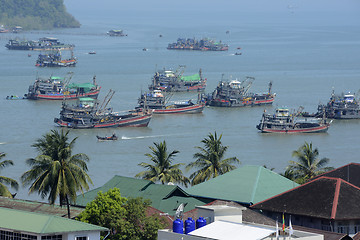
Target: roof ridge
<point>336,198</point>
<point>47,224</point>
<point>318,176</point>
<point>256,183</point>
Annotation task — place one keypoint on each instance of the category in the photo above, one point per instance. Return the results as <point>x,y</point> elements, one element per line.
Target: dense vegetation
<point>126,218</point>
<point>36,14</point>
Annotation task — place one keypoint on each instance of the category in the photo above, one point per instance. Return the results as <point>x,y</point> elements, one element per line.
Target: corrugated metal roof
<point>248,184</point>
<point>41,223</point>
<point>163,197</point>
<point>38,207</point>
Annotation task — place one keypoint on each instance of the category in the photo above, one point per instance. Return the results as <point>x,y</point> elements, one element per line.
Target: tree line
<point>58,174</point>
<point>36,14</point>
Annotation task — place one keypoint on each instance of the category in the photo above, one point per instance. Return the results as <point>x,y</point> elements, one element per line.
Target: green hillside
<point>36,14</point>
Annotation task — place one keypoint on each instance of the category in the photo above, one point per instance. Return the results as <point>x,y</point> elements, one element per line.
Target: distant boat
<point>238,53</point>
<point>145,49</point>
<point>116,33</point>
<point>92,52</point>
<point>106,138</point>
<point>284,122</point>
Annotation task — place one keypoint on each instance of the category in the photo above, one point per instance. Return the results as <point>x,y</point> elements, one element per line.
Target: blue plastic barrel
<point>189,225</point>
<point>200,222</point>
<point>178,226</point>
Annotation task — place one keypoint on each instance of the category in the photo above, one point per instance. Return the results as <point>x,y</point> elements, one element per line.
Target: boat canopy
<point>86,86</point>
<point>191,78</point>
<point>56,78</point>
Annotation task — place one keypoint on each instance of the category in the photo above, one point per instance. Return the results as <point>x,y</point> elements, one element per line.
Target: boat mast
<point>105,102</point>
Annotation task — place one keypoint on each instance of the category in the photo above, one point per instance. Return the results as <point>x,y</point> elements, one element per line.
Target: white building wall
<point>91,235</point>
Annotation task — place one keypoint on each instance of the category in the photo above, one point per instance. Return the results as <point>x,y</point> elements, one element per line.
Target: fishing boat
<point>106,138</point>
<point>58,88</point>
<point>116,33</point>
<point>174,81</point>
<point>234,93</point>
<point>88,113</point>
<point>54,59</point>
<point>204,44</point>
<point>285,122</point>
<point>342,106</point>
<point>158,103</point>
<point>45,43</point>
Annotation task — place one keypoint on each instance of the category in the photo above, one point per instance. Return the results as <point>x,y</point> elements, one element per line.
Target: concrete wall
<point>93,235</point>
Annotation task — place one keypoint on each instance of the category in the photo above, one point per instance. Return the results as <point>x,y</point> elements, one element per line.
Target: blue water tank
<point>200,222</point>
<point>189,225</point>
<point>178,226</point>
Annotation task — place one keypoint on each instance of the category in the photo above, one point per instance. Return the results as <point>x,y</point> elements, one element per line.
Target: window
<point>51,237</point>
<point>6,235</point>
<point>81,238</point>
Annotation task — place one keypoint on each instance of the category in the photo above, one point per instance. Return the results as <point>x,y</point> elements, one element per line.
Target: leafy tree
<point>126,218</point>
<point>36,14</point>
<point>162,168</point>
<point>4,191</point>
<point>209,161</point>
<point>308,165</point>
<point>56,172</point>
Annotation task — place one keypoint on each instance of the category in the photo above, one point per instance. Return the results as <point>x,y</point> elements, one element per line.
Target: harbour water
<point>305,58</point>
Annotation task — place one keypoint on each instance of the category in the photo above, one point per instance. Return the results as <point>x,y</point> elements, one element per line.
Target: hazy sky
<point>336,11</point>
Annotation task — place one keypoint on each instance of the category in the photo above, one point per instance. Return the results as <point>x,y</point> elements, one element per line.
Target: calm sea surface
<point>305,61</point>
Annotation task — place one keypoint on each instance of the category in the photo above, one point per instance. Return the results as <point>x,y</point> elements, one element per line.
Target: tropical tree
<point>162,168</point>
<point>126,218</point>
<point>308,164</point>
<point>4,191</point>
<point>57,173</point>
<point>209,161</point>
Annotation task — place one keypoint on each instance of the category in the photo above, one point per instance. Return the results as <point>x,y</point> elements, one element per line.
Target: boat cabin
<point>86,102</point>
<point>349,98</point>
<point>235,84</point>
<point>282,112</point>
<point>169,73</point>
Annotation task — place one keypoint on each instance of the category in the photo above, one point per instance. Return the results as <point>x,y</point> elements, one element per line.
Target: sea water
<point>306,55</point>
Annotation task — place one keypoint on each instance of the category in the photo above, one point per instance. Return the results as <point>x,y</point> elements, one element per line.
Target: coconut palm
<point>162,168</point>
<point>308,165</point>
<point>57,173</point>
<point>4,191</point>
<point>209,161</point>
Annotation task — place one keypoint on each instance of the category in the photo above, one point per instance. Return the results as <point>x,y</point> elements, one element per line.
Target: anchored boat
<point>58,88</point>
<point>343,106</point>
<point>204,44</point>
<point>88,113</point>
<point>174,81</point>
<point>158,103</point>
<point>284,122</point>
<point>234,93</point>
<point>45,43</point>
<point>55,60</point>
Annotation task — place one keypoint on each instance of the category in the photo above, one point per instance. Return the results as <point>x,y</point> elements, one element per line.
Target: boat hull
<point>189,109</point>
<point>128,121</point>
<point>318,129</point>
<point>93,94</point>
<point>224,103</point>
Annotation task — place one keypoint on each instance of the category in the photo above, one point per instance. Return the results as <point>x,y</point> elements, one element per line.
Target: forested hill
<point>36,14</point>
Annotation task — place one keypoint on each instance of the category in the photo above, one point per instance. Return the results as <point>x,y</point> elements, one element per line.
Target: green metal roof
<point>56,78</point>
<point>163,197</point>
<point>191,78</point>
<point>248,184</point>
<point>41,223</point>
<point>86,86</point>
<point>38,207</point>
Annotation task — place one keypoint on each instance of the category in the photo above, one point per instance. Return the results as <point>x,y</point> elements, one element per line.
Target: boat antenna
<point>105,102</point>
<point>270,86</point>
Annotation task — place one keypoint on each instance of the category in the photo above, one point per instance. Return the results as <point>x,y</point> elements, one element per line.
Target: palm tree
<point>308,164</point>
<point>56,172</point>
<point>209,161</point>
<point>4,191</point>
<point>162,168</point>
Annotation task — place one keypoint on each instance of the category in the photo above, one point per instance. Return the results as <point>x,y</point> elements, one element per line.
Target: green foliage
<point>36,14</point>
<point>126,218</point>
<point>209,161</point>
<point>56,172</point>
<point>162,168</point>
<point>307,166</point>
<point>4,191</point>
